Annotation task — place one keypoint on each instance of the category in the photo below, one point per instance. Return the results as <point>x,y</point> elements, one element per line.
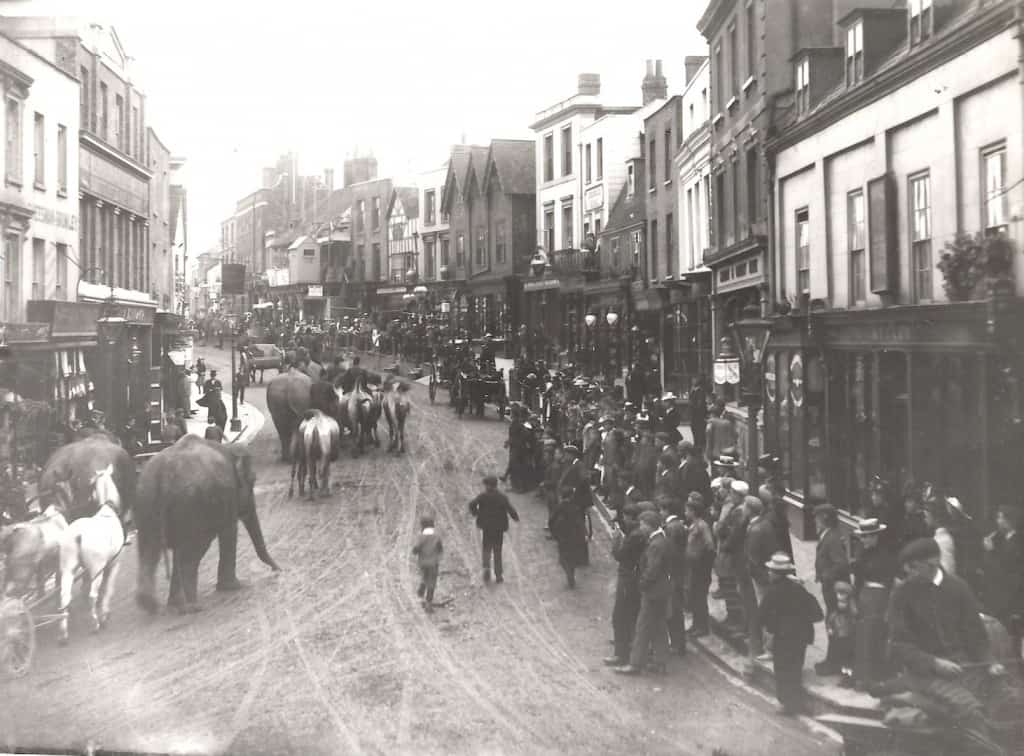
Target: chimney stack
<point>693,64</point>
<point>655,86</point>
<point>589,84</point>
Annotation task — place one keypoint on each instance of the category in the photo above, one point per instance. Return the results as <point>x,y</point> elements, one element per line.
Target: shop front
<point>125,365</point>
<point>541,333</point>
<point>909,394</point>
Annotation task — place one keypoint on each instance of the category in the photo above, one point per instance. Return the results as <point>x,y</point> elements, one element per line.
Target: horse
<point>396,410</point>
<point>93,545</point>
<point>31,549</point>
<point>317,441</point>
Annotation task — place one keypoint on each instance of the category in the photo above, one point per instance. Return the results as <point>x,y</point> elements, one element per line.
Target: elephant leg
<point>176,594</point>
<point>227,540</point>
<point>107,590</point>
<point>190,582</point>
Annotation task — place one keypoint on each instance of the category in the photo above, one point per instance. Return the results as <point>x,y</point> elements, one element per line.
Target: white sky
<point>233,84</point>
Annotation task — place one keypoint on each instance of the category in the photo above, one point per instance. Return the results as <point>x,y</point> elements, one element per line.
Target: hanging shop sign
<point>552,283</point>
<point>727,372</point>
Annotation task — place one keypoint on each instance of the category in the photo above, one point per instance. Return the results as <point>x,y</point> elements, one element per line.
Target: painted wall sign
<point>553,283</point>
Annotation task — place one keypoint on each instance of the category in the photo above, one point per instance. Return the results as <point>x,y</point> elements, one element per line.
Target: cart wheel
<point>17,637</point>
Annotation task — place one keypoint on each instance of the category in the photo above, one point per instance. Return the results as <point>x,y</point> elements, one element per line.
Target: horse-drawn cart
<point>473,388</point>
<point>20,616</point>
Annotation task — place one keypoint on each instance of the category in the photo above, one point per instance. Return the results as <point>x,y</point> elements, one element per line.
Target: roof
<point>627,212</point>
<point>410,197</point>
<point>513,162</point>
<point>476,167</point>
<point>457,170</point>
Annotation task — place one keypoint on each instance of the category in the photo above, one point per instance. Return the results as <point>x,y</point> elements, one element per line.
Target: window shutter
<point>882,237</point>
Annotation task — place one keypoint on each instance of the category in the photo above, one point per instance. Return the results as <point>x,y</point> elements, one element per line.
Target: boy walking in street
<point>428,550</point>
<point>492,510</point>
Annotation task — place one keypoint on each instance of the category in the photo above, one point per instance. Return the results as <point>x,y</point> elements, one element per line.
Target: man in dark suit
<point>628,543</point>
<point>831,565</point>
<point>492,510</point>
<point>655,591</point>
<point>568,523</point>
<point>693,475</point>
<point>676,532</point>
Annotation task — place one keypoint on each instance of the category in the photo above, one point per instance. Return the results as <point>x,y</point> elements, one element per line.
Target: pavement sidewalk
<point>249,415</point>
<point>730,654</point>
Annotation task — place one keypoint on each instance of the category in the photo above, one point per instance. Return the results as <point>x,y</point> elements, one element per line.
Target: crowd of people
<point>678,531</point>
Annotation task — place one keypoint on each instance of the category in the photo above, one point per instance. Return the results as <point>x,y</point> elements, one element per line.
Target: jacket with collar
<point>654,566</point>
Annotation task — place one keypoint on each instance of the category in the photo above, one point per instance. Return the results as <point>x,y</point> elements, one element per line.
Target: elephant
<point>189,494</point>
<point>290,395</point>
<point>77,463</point>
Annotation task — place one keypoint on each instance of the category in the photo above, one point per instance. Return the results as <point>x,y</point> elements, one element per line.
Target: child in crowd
<point>492,510</point>
<point>840,624</point>
<point>428,550</point>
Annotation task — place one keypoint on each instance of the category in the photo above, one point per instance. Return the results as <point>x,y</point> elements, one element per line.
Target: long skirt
<point>870,663</point>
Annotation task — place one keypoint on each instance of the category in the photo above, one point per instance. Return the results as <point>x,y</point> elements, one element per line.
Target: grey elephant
<point>189,494</point>
<point>77,463</point>
<point>289,396</point>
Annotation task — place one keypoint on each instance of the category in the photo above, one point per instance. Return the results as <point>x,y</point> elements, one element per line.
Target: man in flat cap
<point>936,634</point>
<point>492,510</point>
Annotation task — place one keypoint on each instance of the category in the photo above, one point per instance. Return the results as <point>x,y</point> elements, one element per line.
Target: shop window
<point>460,251</point>
<point>567,151</point>
<point>567,221</point>
<point>725,275</point>
<point>752,266</point>
<point>741,270</point>
<point>499,242</point>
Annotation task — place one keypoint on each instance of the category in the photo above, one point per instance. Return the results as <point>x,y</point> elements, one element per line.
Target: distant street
<point>336,655</point>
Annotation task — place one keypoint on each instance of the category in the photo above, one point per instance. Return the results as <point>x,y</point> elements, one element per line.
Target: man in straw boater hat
<point>936,634</point>
<point>788,612</point>
<point>874,568</point>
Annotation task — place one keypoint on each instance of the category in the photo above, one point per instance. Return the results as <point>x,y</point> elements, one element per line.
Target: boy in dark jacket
<point>428,551</point>
<point>492,510</point>
<point>788,612</point>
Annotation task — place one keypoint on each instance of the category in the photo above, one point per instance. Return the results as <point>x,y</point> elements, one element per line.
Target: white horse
<point>93,545</point>
<point>396,410</point>
<point>316,442</point>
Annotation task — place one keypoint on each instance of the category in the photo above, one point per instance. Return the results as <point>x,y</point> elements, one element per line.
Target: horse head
<point>104,489</point>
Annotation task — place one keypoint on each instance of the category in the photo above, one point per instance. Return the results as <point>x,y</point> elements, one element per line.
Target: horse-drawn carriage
<point>475,386</point>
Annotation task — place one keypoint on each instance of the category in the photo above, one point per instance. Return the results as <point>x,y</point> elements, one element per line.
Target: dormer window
<point>630,180</point>
<point>803,88</point>
<point>855,53</point>
<point>920,21</point>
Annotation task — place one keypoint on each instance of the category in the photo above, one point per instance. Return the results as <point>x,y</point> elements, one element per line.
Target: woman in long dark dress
<point>569,521</point>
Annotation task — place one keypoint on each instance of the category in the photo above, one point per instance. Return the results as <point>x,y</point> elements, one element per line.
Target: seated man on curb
<point>936,632</point>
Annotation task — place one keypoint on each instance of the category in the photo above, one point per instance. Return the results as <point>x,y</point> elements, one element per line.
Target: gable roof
<point>458,168</point>
<point>475,168</point>
<point>410,198</point>
<point>512,163</point>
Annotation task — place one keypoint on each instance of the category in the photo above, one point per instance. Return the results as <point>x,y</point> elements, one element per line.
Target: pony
<point>396,410</point>
<point>93,545</point>
<point>31,549</point>
<point>316,442</point>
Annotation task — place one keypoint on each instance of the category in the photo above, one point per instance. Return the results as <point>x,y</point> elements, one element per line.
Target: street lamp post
<point>753,333</point>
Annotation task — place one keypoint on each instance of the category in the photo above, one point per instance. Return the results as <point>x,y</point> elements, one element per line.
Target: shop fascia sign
<point>391,290</point>
<point>21,332</point>
<point>553,283</point>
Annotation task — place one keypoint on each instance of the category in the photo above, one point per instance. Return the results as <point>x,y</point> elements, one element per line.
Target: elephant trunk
<point>251,521</point>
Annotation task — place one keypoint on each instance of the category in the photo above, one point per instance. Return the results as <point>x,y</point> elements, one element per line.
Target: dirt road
<point>335,654</point>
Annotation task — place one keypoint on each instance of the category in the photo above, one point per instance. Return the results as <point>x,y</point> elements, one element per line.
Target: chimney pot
<point>657,69</point>
<point>650,67</point>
